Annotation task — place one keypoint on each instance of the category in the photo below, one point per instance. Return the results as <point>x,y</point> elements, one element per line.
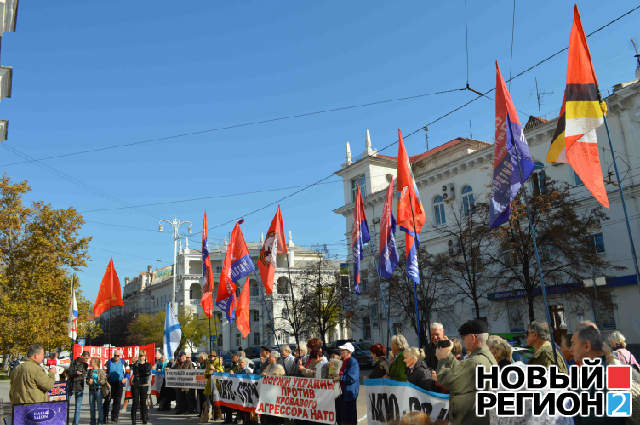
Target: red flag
<point>207,272</point>
<point>110,294</point>
<point>242,312</point>
<point>274,244</point>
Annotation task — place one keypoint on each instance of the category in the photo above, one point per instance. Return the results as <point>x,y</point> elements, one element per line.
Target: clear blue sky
<point>94,74</point>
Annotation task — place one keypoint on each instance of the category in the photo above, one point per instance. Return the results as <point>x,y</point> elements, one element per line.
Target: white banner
<point>388,400</point>
<point>236,391</point>
<point>292,397</point>
<point>184,378</point>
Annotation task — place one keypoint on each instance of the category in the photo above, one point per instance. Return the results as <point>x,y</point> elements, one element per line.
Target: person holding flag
<point>359,236</point>
<point>237,264</point>
<point>273,245</point>
<point>388,252</point>
<point>512,163</point>
<point>411,218</point>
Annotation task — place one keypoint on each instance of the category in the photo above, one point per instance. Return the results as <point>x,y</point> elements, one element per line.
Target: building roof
<point>430,152</point>
<point>534,122</point>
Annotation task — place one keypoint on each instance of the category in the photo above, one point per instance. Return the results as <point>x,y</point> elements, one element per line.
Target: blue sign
<point>81,341</point>
<point>54,413</point>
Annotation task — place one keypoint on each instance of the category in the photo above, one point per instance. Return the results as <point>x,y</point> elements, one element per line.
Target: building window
<point>218,269</point>
<point>195,292</point>
<point>256,338</point>
<point>366,328</point>
<point>598,242</point>
<point>538,179</point>
<point>364,280</point>
<point>397,328</point>
<point>468,202</point>
<point>576,179</point>
<point>238,340</point>
<point>255,290</point>
<point>284,313</point>
<point>283,286</point>
<point>360,181</point>
<point>438,211</point>
<point>255,314</point>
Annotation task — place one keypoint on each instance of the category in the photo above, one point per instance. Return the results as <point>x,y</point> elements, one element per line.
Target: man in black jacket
<point>141,371</point>
<point>77,377</point>
<point>437,334</point>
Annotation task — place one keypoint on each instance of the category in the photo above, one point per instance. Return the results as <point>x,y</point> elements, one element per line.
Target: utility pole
<point>175,224</point>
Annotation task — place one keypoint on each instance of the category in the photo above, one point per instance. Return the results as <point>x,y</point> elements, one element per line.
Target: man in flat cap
<point>459,377</point>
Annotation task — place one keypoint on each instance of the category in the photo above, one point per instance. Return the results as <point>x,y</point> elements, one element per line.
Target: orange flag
<point>110,294</point>
<point>207,272</point>
<point>274,244</point>
<point>242,312</point>
<point>575,140</point>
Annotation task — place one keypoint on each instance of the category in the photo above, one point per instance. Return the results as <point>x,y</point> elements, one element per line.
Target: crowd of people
<point>442,366</point>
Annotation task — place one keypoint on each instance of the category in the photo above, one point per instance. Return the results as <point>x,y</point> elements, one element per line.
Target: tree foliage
<point>39,249</point>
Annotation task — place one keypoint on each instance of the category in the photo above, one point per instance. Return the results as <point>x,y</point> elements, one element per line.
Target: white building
<point>8,16</point>
<point>461,171</point>
<point>150,291</point>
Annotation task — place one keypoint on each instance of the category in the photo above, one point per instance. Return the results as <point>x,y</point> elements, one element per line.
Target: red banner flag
<point>242,312</point>
<point>104,353</point>
<point>110,293</point>
<point>274,244</point>
<point>207,272</point>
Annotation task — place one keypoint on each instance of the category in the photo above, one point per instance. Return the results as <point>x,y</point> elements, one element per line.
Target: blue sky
<point>94,74</point>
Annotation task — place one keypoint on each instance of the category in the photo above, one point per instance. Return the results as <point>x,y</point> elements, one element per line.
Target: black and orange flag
<point>575,140</point>
<point>110,293</point>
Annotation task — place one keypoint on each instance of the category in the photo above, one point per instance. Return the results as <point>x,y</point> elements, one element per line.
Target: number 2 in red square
<point>619,377</point>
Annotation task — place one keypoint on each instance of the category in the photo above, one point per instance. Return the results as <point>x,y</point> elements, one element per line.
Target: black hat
<point>182,353</point>
<point>475,326</point>
<point>265,348</point>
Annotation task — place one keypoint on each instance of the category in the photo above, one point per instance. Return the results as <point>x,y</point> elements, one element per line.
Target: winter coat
<point>274,369</point>
<point>398,370</point>
<point>77,380</point>
<point>141,374</point>
<point>30,383</point>
<point>380,368</point>
<point>459,377</point>
<point>420,375</point>
<point>543,356</point>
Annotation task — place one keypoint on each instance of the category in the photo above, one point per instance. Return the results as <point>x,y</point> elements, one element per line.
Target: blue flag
<point>359,236</point>
<point>172,333</point>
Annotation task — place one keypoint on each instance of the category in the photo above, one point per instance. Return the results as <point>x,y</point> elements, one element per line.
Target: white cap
<point>348,346</point>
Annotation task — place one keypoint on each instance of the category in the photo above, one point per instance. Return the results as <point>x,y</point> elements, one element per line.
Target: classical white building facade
<point>150,291</point>
<point>459,171</point>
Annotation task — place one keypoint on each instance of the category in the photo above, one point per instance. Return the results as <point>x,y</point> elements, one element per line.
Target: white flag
<point>72,324</point>
<point>172,333</point>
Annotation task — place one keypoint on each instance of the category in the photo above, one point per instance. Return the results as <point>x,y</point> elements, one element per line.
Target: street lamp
<point>175,224</point>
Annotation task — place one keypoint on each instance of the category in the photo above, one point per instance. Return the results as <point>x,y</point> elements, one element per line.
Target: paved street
<point>164,418</point>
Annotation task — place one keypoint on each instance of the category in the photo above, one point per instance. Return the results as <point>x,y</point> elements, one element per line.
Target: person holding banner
<point>141,372</point>
<point>380,367</point>
<point>98,386</point>
<point>349,378</point>
<point>315,362</point>
<point>184,396</point>
<point>418,373</point>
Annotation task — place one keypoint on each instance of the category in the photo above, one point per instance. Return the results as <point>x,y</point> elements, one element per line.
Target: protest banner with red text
<point>292,397</point>
<point>106,352</point>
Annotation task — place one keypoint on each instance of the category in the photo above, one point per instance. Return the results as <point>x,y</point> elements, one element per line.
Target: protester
<point>349,378</point>
<point>98,386</point>
<point>274,368</point>
<point>459,376</point>
<point>417,372</point>
<point>314,365</point>
<point>565,348</point>
<point>436,332</point>
<point>184,396</point>
<point>117,380</point>
<point>287,360</point>
<point>29,382</point>
<point>141,373</point>
<point>264,356</point>
<point>456,349</point>
<point>587,342</point>
<point>397,369</point>
<point>301,355</point>
<point>501,350</point>
<point>127,386</point>
<point>14,363</point>
<point>618,344</point>
<point>538,337</point>
<point>78,375</point>
<point>213,364</point>
<point>333,366</point>
<point>380,364</point>
<point>243,366</point>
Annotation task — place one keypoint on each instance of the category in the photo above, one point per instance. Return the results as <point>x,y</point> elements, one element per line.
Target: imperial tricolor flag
<point>274,244</point>
<point>207,272</point>
<point>510,146</point>
<point>237,264</point>
<point>359,236</point>
<point>388,254</point>
<point>411,214</point>
<point>575,139</point>
<point>72,324</point>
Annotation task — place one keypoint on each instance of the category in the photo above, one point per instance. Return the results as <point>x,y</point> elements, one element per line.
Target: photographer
<point>141,371</point>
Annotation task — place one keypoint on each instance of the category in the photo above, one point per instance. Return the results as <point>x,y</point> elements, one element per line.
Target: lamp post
<point>175,224</point>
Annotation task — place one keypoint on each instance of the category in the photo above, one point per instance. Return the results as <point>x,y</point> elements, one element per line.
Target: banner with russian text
<point>307,399</point>
<point>388,401</point>
<point>184,378</point>
<point>236,391</point>
<point>106,352</point>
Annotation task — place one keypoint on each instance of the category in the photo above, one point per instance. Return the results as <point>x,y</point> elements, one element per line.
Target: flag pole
<point>293,302</point>
<point>532,230</point>
<point>210,345</point>
<point>375,263</point>
<point>624,203</point>
<point>416,242</point>
<point>68,395</point>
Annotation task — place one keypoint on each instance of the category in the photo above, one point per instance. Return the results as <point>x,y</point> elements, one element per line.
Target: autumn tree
<point>564,232</point>
<point>291,319</point>
<point>39,249</point>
